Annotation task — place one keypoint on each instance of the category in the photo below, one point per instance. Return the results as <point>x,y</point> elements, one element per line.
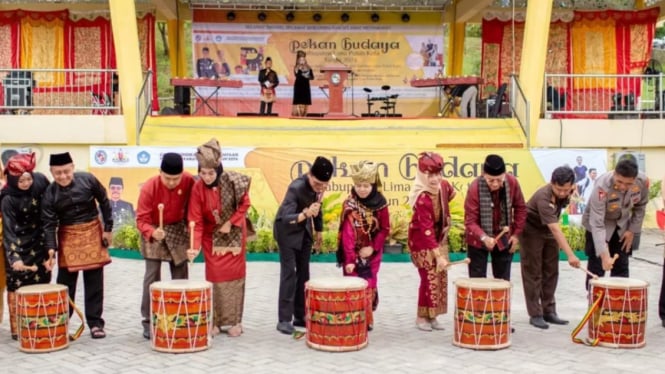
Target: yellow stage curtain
<point>594,52</point>
<point>42,47</point>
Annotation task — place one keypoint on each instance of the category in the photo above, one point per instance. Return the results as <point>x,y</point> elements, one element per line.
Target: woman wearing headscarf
<point>23,234</point>
<point>428,238</point>
<point>364,226</point>
<point>218,205</point>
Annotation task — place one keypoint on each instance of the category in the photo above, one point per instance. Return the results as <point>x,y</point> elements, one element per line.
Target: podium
<point>336,75</point>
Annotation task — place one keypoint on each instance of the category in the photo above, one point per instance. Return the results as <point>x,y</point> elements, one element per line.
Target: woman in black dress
<point>23,237</point>
<point>302,96</point>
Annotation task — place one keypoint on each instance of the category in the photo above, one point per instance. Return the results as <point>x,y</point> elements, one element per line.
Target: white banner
<point>151,157</point>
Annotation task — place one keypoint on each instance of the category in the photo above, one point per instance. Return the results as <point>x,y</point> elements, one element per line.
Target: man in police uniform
<point>614,214</point>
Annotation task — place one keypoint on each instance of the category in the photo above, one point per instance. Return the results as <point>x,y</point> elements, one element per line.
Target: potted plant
<point>400,217</point>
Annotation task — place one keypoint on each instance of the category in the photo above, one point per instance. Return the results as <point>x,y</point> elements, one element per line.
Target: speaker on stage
<point>182,100</point>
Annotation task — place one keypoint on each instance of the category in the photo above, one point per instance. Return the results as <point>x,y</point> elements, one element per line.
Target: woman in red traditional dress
<point>428,238</point>
<point>365,224</point>
<point>218,204</point>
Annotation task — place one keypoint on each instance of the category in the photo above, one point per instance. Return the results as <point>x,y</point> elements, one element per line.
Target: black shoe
<point>146,329</point>
<point>285,328</point>
<point>663,323</point>
<point>539,322</point>
<point>553,318</point>
<point>299,323</point>
<point>15,337</point>
<point>370,327</point>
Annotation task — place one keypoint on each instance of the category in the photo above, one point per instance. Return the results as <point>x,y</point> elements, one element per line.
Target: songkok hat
<point>430,162</point>
<point>21,163</point>
<point>116,181</point>
<point>59,159</point>
<point>268,59</point>
<point>172,163</point>
<point>322,169</point>
<point>209,155</point>
<point>365,172</point>
<point>494,165</point>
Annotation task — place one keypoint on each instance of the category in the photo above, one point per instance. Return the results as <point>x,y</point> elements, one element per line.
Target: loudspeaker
<point>182,100</point>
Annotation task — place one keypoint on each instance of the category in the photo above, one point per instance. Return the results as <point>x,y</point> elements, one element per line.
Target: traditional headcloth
<point>366,171</point>
<point>430,162</point>
<point>494,165</point>
<point>172,163</point>
<point>301,54</point>
<point>268,59</point>
<point>21,163</point>
<point>209,155</point>
<point>59,159</point>
<point>116,181</point>
<point>322,169</point>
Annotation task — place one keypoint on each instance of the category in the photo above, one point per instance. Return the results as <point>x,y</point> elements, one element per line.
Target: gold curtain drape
<point>42,47</point>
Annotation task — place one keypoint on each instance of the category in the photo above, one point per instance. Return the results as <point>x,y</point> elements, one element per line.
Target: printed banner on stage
<point>379,55</point>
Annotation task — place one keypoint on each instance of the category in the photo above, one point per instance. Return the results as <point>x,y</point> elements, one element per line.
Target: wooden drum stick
<point>466,261</point>
<point>502,233</point>
<point>594,276</point>
<point>160,207</point>
<point>191,237</point>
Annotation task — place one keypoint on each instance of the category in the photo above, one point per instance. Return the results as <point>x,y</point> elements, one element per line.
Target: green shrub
<point>575,235</point>
<point>127,237</point>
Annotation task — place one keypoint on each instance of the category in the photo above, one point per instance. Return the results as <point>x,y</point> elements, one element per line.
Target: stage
<point>325,132</point>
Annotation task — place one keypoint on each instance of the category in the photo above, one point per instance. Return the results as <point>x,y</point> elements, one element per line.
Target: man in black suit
<point>205,65</point>
<point>298,225</point>
<point>123,211</point>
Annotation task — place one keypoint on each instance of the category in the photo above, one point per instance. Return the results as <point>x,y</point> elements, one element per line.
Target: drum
<point>619,320</point>
<point>42,313</point>
<point>336,312</point>
<point>482,313</point>
<point>181,316</point>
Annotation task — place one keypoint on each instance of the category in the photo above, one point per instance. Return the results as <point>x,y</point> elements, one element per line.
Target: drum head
<point>181,285</point>
<point>617,282</point>
<point>41,288</point>
<point>385,88</point>
<point>336,284</point>
<point>482,283</point>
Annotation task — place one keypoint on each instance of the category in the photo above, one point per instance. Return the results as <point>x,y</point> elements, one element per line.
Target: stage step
<point>252,114</point>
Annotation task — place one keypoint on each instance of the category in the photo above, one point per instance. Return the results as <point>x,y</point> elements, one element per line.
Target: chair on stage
<point>495,109</point>
<point>101,103</point>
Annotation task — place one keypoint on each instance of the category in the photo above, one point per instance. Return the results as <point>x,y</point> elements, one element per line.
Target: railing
<point>613,96</point>
<point>58,91</point>
<point>520,106</point>
<point>143,104</point>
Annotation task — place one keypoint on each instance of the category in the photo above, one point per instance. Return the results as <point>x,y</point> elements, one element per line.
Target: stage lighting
<point>230,16</point>
<point>345,17</point>
<point>262,16</point>
<point>406,17</point>
<point>317,17</point>
<point>290,17</point>
<point>375,17</point>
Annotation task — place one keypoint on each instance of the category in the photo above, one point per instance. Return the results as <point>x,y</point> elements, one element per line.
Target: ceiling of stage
<point>408,5</point>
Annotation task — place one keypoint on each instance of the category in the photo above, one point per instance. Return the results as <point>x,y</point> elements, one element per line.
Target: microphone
<point>340,61</point>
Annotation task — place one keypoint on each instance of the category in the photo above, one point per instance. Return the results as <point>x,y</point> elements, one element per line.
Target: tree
<point>161,26</point>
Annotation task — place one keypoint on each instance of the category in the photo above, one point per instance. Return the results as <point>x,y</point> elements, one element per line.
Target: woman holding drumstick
<point>428,238</point>
<point>217,208</point>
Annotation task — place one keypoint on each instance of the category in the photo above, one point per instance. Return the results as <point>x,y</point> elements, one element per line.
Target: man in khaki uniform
<point>541,239</point>
<point>613,216</point>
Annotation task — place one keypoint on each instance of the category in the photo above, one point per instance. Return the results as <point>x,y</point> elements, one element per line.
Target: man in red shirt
<point>163,235</point>
<point>494,203</point>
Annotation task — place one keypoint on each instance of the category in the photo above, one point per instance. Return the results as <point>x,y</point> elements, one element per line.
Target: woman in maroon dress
<point>365,224</point>
<point>428,238</point>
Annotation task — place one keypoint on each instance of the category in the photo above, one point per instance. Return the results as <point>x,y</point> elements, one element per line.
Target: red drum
<point>620,319</point>
<point>482,313</point>
<point>181,316</point>
<point>42,317</point>
<point>336,312</point>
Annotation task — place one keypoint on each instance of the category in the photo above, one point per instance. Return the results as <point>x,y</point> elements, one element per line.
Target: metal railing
<point>58,91</point>
<point>520,106</point>
<point>613,96</point>
<point>143,104</point>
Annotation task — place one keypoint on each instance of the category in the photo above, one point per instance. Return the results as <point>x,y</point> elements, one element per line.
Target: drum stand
<point>369,103</point>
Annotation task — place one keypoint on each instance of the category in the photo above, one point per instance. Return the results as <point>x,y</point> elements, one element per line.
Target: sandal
<point>235,331</point>
<point>97,332</point>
